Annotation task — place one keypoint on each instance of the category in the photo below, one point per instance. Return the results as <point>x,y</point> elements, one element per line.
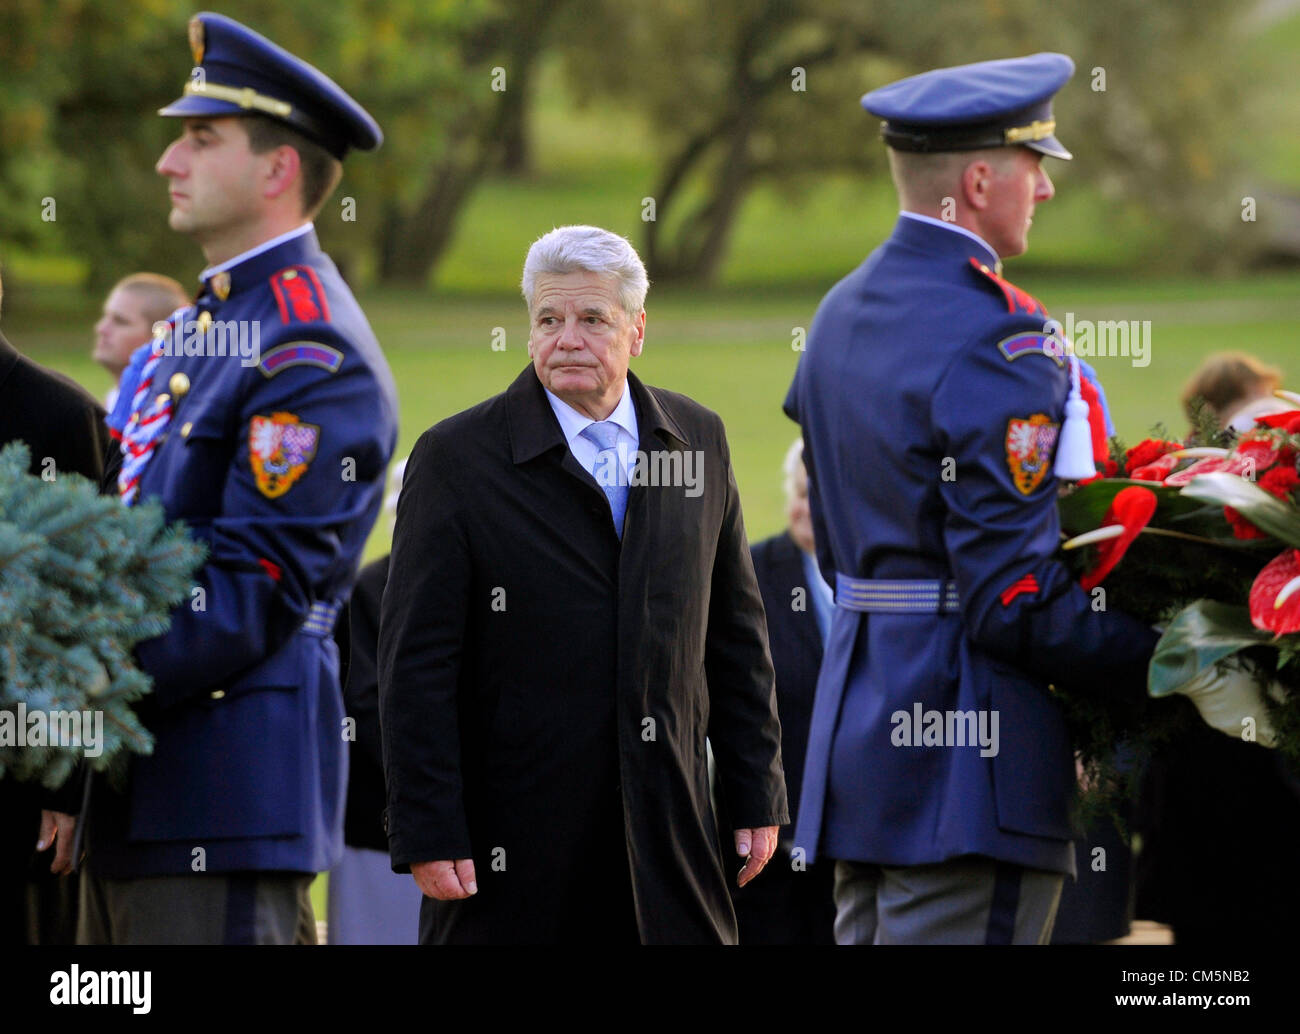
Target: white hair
<point>793,461</point>
<point>574,249</point>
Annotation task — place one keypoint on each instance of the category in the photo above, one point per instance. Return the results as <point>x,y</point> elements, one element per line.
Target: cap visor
<point>1051,147</point>
<point>191,106</point>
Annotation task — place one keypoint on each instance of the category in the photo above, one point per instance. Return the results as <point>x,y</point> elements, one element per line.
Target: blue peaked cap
<point>244,73</point>
<point>989,104</point>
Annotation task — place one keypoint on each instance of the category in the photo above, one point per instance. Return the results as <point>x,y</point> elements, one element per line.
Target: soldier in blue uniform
<point>931,397</point>
<point>264,417</point>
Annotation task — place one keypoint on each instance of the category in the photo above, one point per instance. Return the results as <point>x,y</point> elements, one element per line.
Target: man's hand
<point>446,881</point>
<point>756,846</point>
<point>57,828</point>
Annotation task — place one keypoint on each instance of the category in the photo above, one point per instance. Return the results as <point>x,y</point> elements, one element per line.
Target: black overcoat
<point>60,421</point>
<point>546,692</point>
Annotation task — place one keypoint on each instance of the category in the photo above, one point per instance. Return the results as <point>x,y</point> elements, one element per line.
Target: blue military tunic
<point>274,456</point>
<point>930,401</point>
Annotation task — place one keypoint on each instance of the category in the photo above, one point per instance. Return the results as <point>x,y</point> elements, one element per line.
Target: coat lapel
<point>658,432</point>
<point>534,431</point>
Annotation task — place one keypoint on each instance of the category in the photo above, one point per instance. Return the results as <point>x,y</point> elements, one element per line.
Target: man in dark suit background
<point>571,609</point>
<point>64,427</point>
<point>794,903</point>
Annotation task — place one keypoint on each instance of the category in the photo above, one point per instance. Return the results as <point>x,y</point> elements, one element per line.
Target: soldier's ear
<point>976,184</point>
<point>283,171</point>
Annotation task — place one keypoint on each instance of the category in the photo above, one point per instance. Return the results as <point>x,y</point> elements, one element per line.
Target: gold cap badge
<point>196,39</point>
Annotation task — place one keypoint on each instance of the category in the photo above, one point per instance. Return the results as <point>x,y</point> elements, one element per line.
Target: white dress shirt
<point>584,450</point>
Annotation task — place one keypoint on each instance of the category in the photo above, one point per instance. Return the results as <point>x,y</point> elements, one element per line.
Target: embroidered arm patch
<point>1033,343</point>
<point>1024,584</point>
<point>300,353</point>
<point>280,448</point>
<point>1030,443</point>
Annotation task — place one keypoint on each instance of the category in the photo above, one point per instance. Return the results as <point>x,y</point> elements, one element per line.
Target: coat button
<point>217,694</point>
<point>186,428</point>
<point>179,385</point>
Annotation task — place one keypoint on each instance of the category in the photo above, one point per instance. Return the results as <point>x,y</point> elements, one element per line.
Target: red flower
<point>1242,528</point>
<point>1261,451</point>
<point>1133,508</point>
<point>1280,481</point>
<point>1157,470</point>
<point>1206,466</point>
<point>1269,583</point>
<point>1288,421</point>
<point>1247,462</point>
<point>1147,452</point>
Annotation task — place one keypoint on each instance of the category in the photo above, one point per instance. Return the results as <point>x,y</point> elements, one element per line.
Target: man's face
<point>1019,182</point>
<point>581,340</point>
<point>122,329</point>
<point>797,510</point>
<point>214,178</point>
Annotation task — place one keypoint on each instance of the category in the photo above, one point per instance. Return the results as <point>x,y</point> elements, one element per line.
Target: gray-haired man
<point>571,609</point>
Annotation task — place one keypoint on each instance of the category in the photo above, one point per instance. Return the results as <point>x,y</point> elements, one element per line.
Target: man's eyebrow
<point>545,310</point>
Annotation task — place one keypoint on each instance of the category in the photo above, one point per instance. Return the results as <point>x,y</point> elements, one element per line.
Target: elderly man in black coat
<point>64,428</point>
<point>571,610</point>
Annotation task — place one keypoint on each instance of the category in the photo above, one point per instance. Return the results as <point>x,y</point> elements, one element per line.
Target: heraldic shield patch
<point>279,451</point>
<point>1030,442</point>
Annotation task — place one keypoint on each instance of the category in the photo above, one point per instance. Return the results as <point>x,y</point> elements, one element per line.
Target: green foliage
<point>700,87</point>
<point>82,580</point>
<point>1203,633</point>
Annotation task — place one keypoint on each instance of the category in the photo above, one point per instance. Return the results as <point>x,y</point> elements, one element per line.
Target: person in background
<point>793,903</point>
<point>60,421</point>
<point>1237,387</point>
<point>368,902</point>
<point>131,309</point>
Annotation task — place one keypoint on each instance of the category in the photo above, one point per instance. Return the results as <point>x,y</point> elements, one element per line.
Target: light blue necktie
<point>608,470</point>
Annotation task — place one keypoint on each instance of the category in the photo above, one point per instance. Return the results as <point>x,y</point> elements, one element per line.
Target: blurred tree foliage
<point>1154,113</point>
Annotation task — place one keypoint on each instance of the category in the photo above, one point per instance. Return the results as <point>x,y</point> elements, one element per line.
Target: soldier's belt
<point>896,595</point>
<point>320,619</point>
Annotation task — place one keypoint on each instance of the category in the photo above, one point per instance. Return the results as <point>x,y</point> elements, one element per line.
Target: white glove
<point>1227,694</point>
